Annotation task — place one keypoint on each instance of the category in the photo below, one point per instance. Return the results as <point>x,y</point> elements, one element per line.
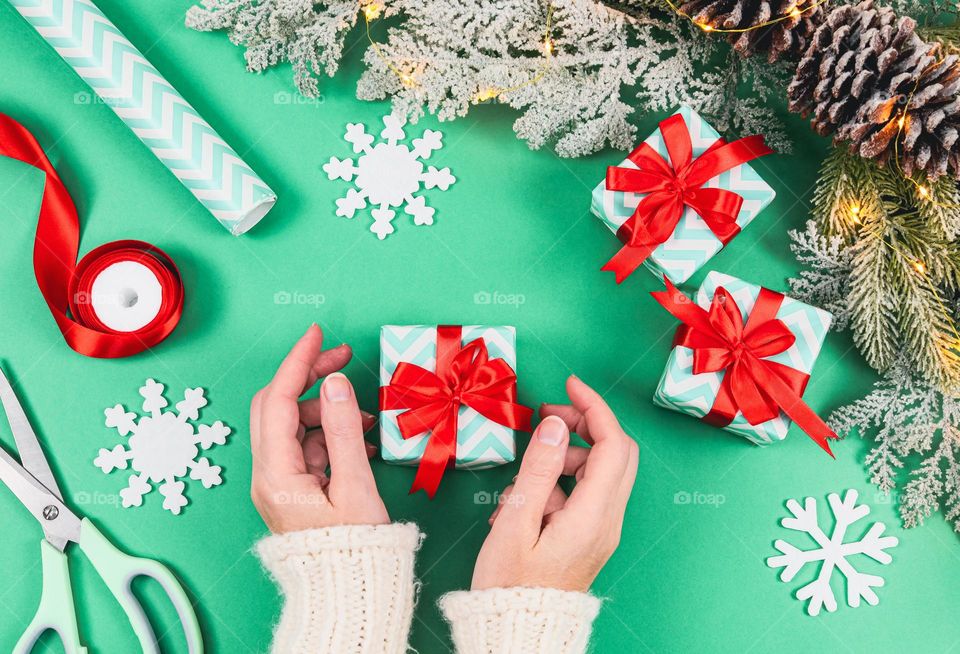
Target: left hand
<point>291,486</point>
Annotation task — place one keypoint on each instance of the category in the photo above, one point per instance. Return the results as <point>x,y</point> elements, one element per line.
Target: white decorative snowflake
<point>388,174</point>
<point>163,447</point>
<point>833,551</point>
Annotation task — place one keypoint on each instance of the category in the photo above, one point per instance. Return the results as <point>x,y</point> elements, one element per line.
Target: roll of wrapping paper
<point>94,322</point>
<point>149,105</point>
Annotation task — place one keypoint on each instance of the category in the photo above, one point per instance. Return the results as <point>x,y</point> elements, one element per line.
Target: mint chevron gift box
<point>481,443</point>
<point>681,390</point>
<point>692,243</point>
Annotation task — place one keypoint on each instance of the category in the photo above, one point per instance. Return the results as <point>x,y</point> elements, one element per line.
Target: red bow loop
<point>464,376</point>
<point>670,187</point>
<point>752,385</point>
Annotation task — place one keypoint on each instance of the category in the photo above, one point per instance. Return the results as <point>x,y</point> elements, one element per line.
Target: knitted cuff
<point>520,620</point>
<point>347,590</point>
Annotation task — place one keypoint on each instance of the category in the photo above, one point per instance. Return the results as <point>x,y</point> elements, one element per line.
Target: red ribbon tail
<point>441,451</point>
<point>627,260</point>
<point>800,412</point>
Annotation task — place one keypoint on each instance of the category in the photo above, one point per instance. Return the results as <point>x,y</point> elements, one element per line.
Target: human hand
<point>290,486</point>
<point>540,537</point>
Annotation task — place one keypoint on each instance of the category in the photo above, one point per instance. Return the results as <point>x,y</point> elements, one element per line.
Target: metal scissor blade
<point>59,523</point>
<point>32,457</point>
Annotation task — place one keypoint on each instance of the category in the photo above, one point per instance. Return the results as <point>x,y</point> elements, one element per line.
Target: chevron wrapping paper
<point>681,390</point>
<point>692,243</point>
<point>481,443</point>
<point>149,105</point>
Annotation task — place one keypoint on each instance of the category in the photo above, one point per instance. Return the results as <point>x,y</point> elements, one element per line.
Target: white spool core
<point>126,296</point>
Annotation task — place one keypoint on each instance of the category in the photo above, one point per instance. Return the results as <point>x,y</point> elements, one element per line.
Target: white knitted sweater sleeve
<point>520,620</point>
<point>347,590</point>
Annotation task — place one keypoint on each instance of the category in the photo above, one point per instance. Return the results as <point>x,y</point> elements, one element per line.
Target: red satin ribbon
<point>752,385</point>
<point>670,188</point>
<point>464,376</point>
<point>65,283</point>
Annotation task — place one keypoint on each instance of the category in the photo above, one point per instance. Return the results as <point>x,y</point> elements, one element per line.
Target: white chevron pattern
<point>152,109</point>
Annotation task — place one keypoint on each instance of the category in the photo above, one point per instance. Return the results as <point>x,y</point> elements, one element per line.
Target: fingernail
<point>368,416</point>
<point>552,431</point>
<point>336,388</point>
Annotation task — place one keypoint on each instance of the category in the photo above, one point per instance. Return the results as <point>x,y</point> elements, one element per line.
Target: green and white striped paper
<point>149,105</point>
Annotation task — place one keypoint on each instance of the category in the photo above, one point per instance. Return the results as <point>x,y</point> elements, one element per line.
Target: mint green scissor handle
<point>118,570</point>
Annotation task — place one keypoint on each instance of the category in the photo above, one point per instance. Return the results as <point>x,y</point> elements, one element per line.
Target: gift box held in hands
<point>448,398</point>
<point>680,197</point>
<point>742,358</point>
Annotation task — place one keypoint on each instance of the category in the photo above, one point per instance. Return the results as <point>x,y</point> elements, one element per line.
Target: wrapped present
<point>680,197</point>
<point>742,358</point>
<point>448,398</point>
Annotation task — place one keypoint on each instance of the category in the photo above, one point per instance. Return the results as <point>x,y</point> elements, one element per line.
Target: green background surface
<point>688,577</point>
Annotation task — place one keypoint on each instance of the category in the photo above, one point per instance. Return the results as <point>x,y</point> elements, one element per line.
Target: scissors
<point>33,483</point>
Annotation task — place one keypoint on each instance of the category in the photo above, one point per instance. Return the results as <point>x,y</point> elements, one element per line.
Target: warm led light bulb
<point>487,94</point>
<point>371,10</point>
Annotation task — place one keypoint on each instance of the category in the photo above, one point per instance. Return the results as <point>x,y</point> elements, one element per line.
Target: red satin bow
<point>671,188</point>
<point>464,376</point>
<point>751,384</point>
<point>67,284</point>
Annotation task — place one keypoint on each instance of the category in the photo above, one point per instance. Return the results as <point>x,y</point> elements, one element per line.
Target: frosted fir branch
<point>716,91</point>
<point>444,57</point>
<point>910,420</point>
<point>824,280</point>
<point>307,34</point>
<point>455,55</point>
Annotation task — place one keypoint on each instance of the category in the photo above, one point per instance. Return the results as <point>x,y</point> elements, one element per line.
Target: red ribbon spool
<point>68,285</point>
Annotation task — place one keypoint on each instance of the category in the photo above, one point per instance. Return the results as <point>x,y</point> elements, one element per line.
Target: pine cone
<point>788,38</point>
<point>867,78</point>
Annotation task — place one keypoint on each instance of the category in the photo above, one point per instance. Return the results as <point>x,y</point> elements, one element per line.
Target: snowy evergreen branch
<point>825,280</point>
<point>904,263</point>
<point>884,257</point>
<point>910,421</point>
<point>607,65</point>
<point>309,35</point>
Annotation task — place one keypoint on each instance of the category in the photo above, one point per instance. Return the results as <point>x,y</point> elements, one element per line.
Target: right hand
<point>540,538</point>
<point>305,477</point>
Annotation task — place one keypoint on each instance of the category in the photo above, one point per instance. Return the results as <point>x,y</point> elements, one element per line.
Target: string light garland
<point>925,194</point>
<point>921,268</point>
<point>796,11</point>
<point>372,10</point>
<point>491,94</point>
